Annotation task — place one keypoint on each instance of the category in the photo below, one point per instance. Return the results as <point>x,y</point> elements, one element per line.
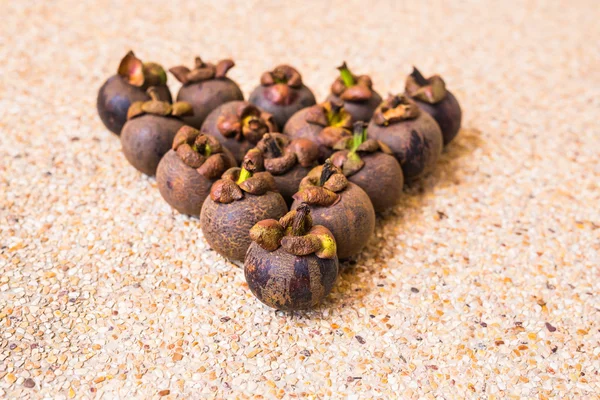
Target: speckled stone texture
<point>483,283</point>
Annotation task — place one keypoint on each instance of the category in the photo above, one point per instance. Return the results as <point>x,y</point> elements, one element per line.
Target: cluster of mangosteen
<point>279,182</point>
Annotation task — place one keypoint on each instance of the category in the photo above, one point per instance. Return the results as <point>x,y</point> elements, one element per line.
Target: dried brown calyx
<point>322,185</point>
<point>200,151</point>
<point>202,71</point>
<point>248,123</point>
<point>236,181</point>
<point>140,74</point>
<point>429,90</point>
<point>158,107</point>
<point>279,81</point>
<point>295,233</point>
<point>350,87</point>
<point>350,161</point>
<point>395,109</point>
<point>335,120</point>
<point>281,154</point>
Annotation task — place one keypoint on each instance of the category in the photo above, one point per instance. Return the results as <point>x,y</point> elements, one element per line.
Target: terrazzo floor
<point>483,283</point>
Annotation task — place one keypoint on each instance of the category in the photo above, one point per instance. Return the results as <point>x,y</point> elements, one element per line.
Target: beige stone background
<point>483,283</point>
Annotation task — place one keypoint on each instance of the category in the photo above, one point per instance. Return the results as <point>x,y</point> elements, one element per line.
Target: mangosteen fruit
<point>289,161</point>
<point>340,206</point>
<point>238,125</point>
<point>186,173</point>
<point>150,129</point>
<point>370,164</point>
<point>237,201</point>
<point>360,100</point>
<point>413,136</point>
<point>129,85</point>
<point>291,263</point>
<point>206,87</point>
<point>324,124</point>
<point>432,97</point>
<point>282,93</point>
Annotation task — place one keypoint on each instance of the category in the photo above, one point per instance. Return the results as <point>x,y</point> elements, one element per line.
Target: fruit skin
<point>207,95</point>
<point>298,99</point>
<point>288,183</point>
<point>146,139</point>
<point>351,220</point>
<point>381,178</point>
<point>416,143</point>
<point>288,282</point>
<point>182,186</point>
<point>226,226</point>
<point>116,95</point>
<point>210,126</point>
<point>360,110</point>
<point>447,114</point>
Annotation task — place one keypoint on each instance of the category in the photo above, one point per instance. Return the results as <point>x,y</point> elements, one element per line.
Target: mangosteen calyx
<point>236,181</point>
<point>140,74</point>
<point>430,90</point>
<point>202,71</point>
<point>350,161</point>
<point>322,185</point>
<point>395,109</point>
<point>295,233</point>
<point>279,82</point>
<point>249,123</point>
<point>335,120</point>
<point>350,87</point>
<point>200,151</point>
<point>155,106</point>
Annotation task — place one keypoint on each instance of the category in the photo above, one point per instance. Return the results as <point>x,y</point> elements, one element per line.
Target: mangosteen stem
<point>334,116</point>
<point>359,136</point>
<point>247,169</point>
<point>272,145</point>
<point>244,175</point>
<point>153,93</point>
<point>328,170</point>
<point>419,78</point>
<point>299,225</point>
<point>346,75</point>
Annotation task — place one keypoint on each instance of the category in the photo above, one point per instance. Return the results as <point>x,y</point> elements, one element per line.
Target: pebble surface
<point>483,283</point>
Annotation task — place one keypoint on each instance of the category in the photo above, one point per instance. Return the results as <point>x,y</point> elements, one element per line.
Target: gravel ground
<point>483,283</point>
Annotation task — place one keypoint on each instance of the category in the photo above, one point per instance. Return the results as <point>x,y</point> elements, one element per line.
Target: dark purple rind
<point>207,95</point>
<point>416,143</point>
<point>301,98</point>
<point>226,227</point>
<point>146,139</point>
<point>287,282</point>
<point>114,98</point>
<point>351,220</point>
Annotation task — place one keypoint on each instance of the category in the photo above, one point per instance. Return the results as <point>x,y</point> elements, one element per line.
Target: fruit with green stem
<point>325,124</point>
<point>370,164</point>
<point>356,91</point>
